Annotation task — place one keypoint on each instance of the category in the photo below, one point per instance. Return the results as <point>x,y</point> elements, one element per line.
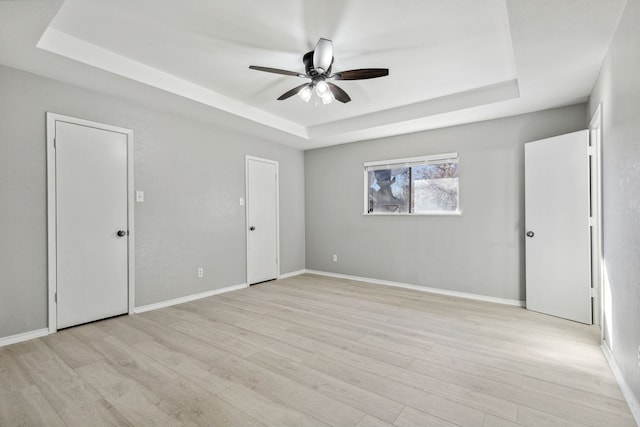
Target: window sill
<point>456,213</point>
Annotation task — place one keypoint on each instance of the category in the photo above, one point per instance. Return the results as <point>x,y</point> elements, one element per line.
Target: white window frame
<point>408,162</point>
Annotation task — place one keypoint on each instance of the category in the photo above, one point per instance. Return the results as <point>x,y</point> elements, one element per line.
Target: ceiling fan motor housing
<point>311,71</point>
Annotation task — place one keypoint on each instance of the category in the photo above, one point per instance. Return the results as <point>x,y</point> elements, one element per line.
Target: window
<point>418,185</point>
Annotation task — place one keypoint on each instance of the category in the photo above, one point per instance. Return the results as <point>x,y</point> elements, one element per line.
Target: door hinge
<point>592,221</point>
<point>590,150</point>
<point>54,143</point>
<point>55,297</point>
<point>592,292</point>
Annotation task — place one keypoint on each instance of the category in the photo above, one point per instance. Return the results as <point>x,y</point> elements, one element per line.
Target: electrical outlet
<point>200,272</point>
<point>335,258</point>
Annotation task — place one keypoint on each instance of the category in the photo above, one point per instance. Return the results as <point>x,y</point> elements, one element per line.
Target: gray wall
<point>192,174</point>
<point>479,252</point>
<point>618,89</point>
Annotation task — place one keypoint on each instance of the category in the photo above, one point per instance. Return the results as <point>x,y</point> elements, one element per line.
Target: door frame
<point>597,251</point>
<point>52,118</point>
<point>248,158</point>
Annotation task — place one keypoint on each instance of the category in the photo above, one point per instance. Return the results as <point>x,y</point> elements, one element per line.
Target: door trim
<point>52,118</point>
<point>595,127</point>
<point>247,158</point>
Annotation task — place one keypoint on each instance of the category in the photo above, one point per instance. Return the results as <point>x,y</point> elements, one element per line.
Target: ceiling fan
<point>317,64</point>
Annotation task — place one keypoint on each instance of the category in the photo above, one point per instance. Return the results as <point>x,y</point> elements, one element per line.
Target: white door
<point>558,245</point>
<point>91,223</point>
<point>262,220</point>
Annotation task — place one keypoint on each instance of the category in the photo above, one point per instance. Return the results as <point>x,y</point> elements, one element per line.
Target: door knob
<point>252,228</point>
<point>530,234</point>
<point>121,233</point>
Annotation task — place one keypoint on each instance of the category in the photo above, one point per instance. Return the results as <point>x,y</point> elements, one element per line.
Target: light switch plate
<point>139,196</point>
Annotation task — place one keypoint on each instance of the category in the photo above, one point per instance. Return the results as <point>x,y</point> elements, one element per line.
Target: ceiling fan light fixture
<point>305,93</point>
<point>322,88</point>
<point>327,98</point>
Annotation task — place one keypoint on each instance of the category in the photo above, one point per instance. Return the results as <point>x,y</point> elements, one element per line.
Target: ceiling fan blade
<point>338,93</point>
<point>361,74</point>
<point>323,55</point>
<point>276,71</point>
<point>292,92</point>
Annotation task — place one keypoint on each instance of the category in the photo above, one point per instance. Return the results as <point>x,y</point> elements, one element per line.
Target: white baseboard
<point>25,336</point>
<point>291,274</point>
<point>634,405</point>
<point>188,298</point>
<point>485,298</point>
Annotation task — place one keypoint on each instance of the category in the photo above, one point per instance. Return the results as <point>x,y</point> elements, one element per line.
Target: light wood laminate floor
<point>312,350</point>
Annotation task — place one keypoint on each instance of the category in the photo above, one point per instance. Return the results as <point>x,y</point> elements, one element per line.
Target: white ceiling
<point>450,62</point>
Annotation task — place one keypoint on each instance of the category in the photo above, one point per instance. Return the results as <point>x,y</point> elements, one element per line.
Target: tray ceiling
<point>450,62</point>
